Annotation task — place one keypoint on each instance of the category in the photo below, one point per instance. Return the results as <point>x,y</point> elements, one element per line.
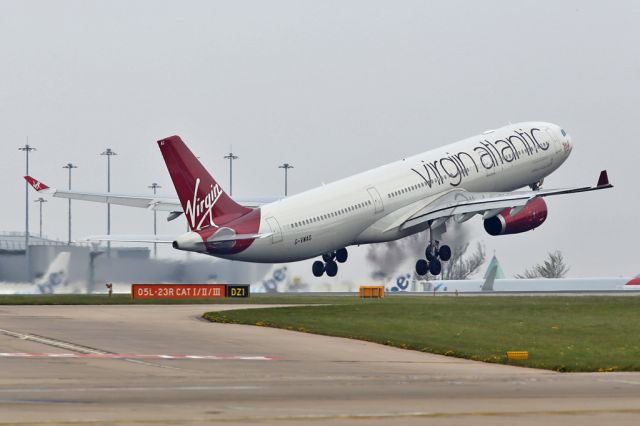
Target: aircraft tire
<point>422,267</point>
<point>328,257</point>
<point>342,255</point>
<point>430,253</point>
<point>435,267</point>
<point>444,253</point>
<point>331,268</point>
<point>317,268</point>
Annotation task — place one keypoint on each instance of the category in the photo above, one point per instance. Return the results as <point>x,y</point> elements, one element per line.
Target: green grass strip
<point>583,333</point>
<point>125,299</point>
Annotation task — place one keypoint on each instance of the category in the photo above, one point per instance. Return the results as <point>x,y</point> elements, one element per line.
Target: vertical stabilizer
<point>490,277</point>
<point>204,202</point>
<point>57,274</point>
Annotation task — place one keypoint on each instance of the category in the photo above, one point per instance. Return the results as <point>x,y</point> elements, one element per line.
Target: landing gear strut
<point>329,263</point>
<point>435,254</point>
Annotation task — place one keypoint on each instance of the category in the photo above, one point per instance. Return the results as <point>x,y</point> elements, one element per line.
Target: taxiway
<point>163,364</point>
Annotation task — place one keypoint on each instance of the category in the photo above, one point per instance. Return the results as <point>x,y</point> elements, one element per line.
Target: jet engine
<point>527,219</point>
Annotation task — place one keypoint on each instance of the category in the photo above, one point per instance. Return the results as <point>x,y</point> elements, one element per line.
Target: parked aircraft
<point>490,283</point>
<point>55,278</point>
<point>476,176</point>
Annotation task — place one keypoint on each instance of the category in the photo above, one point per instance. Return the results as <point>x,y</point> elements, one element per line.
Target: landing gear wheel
<point>331,268</point>
<point>317,268</point>
<point>430,253</point>
<point>341,255</point>
<point>444,253</point>
<point>422,267</point>
<point>435,267</point>
<point>328,257</point>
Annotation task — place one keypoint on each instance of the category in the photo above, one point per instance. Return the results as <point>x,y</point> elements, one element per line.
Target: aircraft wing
<point>140,201</point>
<point>464,204</point>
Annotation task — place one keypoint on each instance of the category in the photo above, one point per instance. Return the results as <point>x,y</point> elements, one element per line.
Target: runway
<point>152,364</point>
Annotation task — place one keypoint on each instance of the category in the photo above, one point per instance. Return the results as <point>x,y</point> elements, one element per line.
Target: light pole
<point>69,166</point>
<point>155,186</point>
<point>40,200</point>
<point>286,167</point>
<point>27,149</point>
<point>109,153</point>
<point>231,157</point>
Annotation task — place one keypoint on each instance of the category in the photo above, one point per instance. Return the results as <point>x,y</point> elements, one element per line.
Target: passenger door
<point>377,200</point>
<point>275,228</point>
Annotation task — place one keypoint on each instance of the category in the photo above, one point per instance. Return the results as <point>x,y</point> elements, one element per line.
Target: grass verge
<point>561,333</point>
<point>125,299</point>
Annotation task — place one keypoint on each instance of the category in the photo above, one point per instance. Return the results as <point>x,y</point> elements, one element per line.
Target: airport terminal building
<point>92,265</point>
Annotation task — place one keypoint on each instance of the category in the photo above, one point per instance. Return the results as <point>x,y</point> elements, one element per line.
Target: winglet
<point>36,184</point>
<point>603,180</point>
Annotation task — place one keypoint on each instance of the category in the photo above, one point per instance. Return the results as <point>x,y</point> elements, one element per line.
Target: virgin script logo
<point>198,209</point>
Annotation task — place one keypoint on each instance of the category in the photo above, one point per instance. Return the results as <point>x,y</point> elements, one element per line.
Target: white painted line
<point>137,356</point>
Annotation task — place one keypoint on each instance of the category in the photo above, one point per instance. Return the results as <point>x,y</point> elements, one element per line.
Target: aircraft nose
<point>567,142</point>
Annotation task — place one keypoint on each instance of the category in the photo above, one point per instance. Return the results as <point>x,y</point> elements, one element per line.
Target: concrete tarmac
<point>267,376</point>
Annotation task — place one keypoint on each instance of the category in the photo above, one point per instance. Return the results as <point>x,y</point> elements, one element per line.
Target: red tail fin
<point>204,202</point>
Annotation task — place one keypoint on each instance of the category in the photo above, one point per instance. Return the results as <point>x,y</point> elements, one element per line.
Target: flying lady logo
<point>198,209</point>
<point>36,185</point>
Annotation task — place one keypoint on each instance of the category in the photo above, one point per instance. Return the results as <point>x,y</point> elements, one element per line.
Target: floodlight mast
<point>286,167</point>
<point>69,166</point>
<point>40,200</point>
<point>155,186</point>
<point>231,157</point>
<point>109,153</point>
<point>27,149</point>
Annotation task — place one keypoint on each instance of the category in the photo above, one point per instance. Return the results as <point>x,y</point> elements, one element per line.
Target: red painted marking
<point>177,291</point>
<point>635,281</point>
<point>137,356</point>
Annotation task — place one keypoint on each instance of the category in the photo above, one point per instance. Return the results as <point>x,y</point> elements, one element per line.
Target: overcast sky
<point>333,87</point>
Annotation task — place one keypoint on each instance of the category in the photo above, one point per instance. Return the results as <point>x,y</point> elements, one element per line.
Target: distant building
<point>90,268</point>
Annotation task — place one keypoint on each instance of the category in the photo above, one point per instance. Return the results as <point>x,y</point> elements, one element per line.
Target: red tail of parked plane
<point>204,202</point>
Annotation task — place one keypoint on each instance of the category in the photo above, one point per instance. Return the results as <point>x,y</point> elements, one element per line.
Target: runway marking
<point>137,356</point>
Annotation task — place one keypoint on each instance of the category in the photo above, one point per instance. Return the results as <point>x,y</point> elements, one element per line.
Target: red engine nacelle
<point>532,216</point>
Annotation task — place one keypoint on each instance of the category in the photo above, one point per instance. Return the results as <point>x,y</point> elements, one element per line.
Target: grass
<point>125,299</point>
<point>585,333</point>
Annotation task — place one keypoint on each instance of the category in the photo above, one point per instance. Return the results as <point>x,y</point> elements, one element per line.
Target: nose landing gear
<point>329,263</point>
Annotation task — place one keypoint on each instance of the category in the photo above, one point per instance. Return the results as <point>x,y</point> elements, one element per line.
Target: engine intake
<point>530,217</point>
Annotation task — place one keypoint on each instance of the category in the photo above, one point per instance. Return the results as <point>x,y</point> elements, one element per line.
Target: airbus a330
<point>475,176</point>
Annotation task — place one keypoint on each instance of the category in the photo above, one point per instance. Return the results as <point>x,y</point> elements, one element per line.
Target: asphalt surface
<point>126,365</point>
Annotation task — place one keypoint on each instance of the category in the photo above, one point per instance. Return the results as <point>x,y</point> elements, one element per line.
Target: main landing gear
<point>329,263</point>
<point>435,254</point>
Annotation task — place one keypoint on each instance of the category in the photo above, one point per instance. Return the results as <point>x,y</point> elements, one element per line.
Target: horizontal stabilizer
<point>237,237</point>
<point>130,238</point>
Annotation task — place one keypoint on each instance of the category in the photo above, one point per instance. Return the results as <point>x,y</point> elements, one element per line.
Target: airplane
<point>475,176</point>
<point>54,279</point>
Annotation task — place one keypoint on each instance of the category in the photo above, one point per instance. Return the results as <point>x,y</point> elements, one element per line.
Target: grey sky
<point>333,87</point>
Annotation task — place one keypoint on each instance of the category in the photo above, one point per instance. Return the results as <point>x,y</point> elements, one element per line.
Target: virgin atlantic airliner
<point>476,176</point>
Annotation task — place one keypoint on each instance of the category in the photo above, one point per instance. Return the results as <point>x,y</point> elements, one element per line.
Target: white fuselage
<point>360,209</point>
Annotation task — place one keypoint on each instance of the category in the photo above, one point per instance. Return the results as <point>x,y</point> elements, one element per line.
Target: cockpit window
<point>563,132</point>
